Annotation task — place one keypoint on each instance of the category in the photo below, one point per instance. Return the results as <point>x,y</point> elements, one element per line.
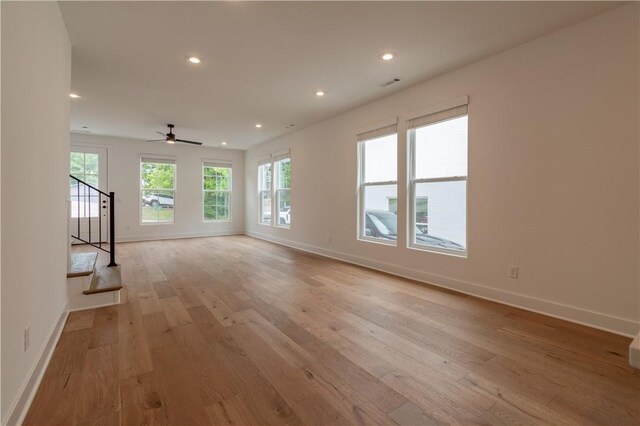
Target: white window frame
<point>269,191</point>
<point>219,165</point>
<point>158,160</point>
<point>362,184</point>
<point>275,180</point>
<point>273,190</point>
<point>413,182</point>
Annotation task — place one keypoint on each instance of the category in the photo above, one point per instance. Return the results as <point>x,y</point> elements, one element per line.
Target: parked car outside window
<point>155,200</point>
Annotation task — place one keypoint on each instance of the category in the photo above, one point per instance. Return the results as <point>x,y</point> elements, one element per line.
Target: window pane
<point>77,163</point>
<point>379,221</point>
<point>441,214</point>
<point>215,198</point>
<point>157,176</point>
<point>217,178</point>
<point>157,206</point>
<point>441,149</point>
<point>380,159</point>
<point>284,173</point>
<point>265,207</point>
<point>216,205</point>
<point>91,163</point>
<point>264,176</point>
<point>284,207</point>
<point>85,202</point>
<point>216,213</point>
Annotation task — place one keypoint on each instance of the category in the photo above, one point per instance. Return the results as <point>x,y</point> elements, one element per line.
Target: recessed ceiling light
<point>193,59</point>
<point>74,95</point>
<point>319,93</point>
<point>258,125</point>
<point>224,143</point>
<point>387,56</point>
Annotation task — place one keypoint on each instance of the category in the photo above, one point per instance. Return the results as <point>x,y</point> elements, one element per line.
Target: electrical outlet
<point>27,337</point>
<point>513,271</point>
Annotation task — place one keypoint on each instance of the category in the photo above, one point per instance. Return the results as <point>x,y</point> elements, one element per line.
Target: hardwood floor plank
<point>78,320</point>
<point>163,289</point>
<point>232,411</point>
<point>141,401</point>
<point>70,353</point>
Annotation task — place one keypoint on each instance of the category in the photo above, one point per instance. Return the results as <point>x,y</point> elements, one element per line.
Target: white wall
<point>124,179</point>
<point>553,177</point>
<point>36,71</point>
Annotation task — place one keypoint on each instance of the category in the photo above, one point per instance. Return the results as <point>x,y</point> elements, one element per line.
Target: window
<point>216,195</point>
<point>282,166</point>
<point>438,181</point>
<point>264,192</point>
<point>377,192</point>
<point>157,190</point>
<point>84,201</point>
<point>274,183</point>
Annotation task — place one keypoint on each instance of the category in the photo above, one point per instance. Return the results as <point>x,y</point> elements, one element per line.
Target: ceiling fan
<point>171,138</point>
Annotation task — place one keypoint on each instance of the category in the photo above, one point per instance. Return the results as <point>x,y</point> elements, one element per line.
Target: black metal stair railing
<point>82,198</point>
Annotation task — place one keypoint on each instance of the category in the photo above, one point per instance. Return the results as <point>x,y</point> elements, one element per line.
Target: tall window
<point>282,166</point>
<point>157,190</point>
<point>377,193</point>
<point>84,202</point>
<point>216,186</point>
<point>264,192</point>
<point>438,181</point>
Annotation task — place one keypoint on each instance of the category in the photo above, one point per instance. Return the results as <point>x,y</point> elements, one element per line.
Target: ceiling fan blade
<point>160,133</point>
<point>191,142</point>
<point>157,140</point>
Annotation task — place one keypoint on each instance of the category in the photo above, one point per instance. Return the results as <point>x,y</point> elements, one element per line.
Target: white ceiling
<point>263,61</point>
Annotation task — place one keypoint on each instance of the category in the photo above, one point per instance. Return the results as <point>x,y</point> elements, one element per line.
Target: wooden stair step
<point>82,264</point>
<point>105,279</point>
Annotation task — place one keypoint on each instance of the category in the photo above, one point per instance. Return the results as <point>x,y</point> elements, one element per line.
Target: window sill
<point>156,223</point>
<point>217,221</point>
<point>378,241</point>
<point>265,224</point>
<point>428,249</point>
<point>283,226</point>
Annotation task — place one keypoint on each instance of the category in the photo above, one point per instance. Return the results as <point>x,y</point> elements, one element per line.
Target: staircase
<point>90,284</point>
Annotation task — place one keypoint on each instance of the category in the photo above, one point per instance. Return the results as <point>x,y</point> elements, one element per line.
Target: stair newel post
<point>112,230</point>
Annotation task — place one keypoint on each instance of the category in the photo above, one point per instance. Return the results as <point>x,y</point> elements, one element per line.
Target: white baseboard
<point>634,352</point>
<point>622,326</point>
<point>160,237</point>
<point>20,407</point>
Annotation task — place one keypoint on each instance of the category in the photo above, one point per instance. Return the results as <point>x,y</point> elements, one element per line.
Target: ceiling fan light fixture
<point>170,138</point>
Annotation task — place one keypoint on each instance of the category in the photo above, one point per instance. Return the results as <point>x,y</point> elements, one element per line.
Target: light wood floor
<point>233,330</point>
